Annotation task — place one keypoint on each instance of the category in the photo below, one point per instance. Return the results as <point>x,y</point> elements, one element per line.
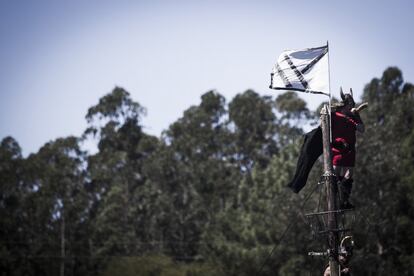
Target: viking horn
<point>352,94</point>
<point>351,241</point>
<point>342,94</point>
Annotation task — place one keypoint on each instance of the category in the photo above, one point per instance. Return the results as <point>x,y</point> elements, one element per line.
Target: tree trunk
<point>62,246</point>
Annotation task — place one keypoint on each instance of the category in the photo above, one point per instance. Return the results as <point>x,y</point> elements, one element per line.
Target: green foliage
<point>291,106</point>
<point>385,185</point>
<point>11,206</point>
<point>209,196</point>
<point>157,265</point>
<point>121,196</point>
<point>114,108</point>
<point>254,129</point>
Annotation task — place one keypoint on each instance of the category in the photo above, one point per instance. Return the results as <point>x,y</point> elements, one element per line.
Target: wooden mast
<point>331,193</point>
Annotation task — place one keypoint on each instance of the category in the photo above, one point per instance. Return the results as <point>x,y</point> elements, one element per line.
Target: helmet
<point>348,98</point>
<point>347,246</point>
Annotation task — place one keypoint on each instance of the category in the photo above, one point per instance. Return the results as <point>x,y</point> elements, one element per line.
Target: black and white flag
<point>302,70</point>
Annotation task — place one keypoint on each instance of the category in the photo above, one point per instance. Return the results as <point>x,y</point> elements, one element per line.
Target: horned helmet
<point>347,246</point>
<point>348,98</point>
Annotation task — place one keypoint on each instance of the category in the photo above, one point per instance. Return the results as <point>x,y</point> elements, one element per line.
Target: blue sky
<point>59,57</point>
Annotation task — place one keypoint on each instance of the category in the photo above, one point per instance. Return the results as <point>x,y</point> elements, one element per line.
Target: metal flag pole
<point>330,94</point>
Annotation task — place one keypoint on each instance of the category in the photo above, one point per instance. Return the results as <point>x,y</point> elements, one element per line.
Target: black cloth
<point>309,153</point>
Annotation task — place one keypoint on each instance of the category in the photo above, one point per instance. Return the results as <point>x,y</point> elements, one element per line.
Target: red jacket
<point>344,138</point>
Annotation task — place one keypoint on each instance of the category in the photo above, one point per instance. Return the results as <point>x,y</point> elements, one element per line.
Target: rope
<point>320,222</point>
<point>320,196</point>
<point>285,231</point>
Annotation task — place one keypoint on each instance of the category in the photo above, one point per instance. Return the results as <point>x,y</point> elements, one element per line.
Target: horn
<point>352,94</point>
<point>342,94</point>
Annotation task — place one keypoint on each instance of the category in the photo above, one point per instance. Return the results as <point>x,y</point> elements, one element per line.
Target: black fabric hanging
<point>309,153</point>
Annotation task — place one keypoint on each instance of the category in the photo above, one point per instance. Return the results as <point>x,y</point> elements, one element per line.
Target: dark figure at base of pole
<point>345,255</point>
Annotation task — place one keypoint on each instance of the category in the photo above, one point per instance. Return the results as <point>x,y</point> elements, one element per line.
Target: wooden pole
<point>331,193</point>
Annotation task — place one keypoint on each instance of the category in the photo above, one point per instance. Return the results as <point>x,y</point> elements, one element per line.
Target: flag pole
<point>331,188</point>
<point>330,95</point>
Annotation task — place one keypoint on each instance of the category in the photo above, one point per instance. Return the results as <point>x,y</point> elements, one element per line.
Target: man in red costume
<point>345,122</point>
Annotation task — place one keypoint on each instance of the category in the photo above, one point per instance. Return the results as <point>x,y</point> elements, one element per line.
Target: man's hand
<point>345,270</point>
<point>359,108</point>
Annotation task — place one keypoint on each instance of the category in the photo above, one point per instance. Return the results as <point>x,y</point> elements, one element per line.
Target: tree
<point>293,116</point>
<point>62,203</point>
<point>121,196</point>
<point>196,182</point>
<point>242,236</point>
<point>382,189</point>
<point>253,122</point>
<point>12,234</point>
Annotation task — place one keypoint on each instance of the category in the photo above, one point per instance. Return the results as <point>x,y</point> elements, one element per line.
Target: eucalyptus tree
<point>197,180</point>
<point>265,145</point>
<point>383,187</point>
<point>253,123</point>
<point>121,202</point>
<point>56,206</point>
<point>13,245</point>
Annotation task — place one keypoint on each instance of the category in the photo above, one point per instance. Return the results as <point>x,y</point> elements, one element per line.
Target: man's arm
<point>360,125</point>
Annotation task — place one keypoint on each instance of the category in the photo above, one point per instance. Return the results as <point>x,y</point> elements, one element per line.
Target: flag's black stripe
<point>297,73</point>
<point>313,62</point>
<point>299,90</point>
<point>283,76</point>
<point>271,79</point>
